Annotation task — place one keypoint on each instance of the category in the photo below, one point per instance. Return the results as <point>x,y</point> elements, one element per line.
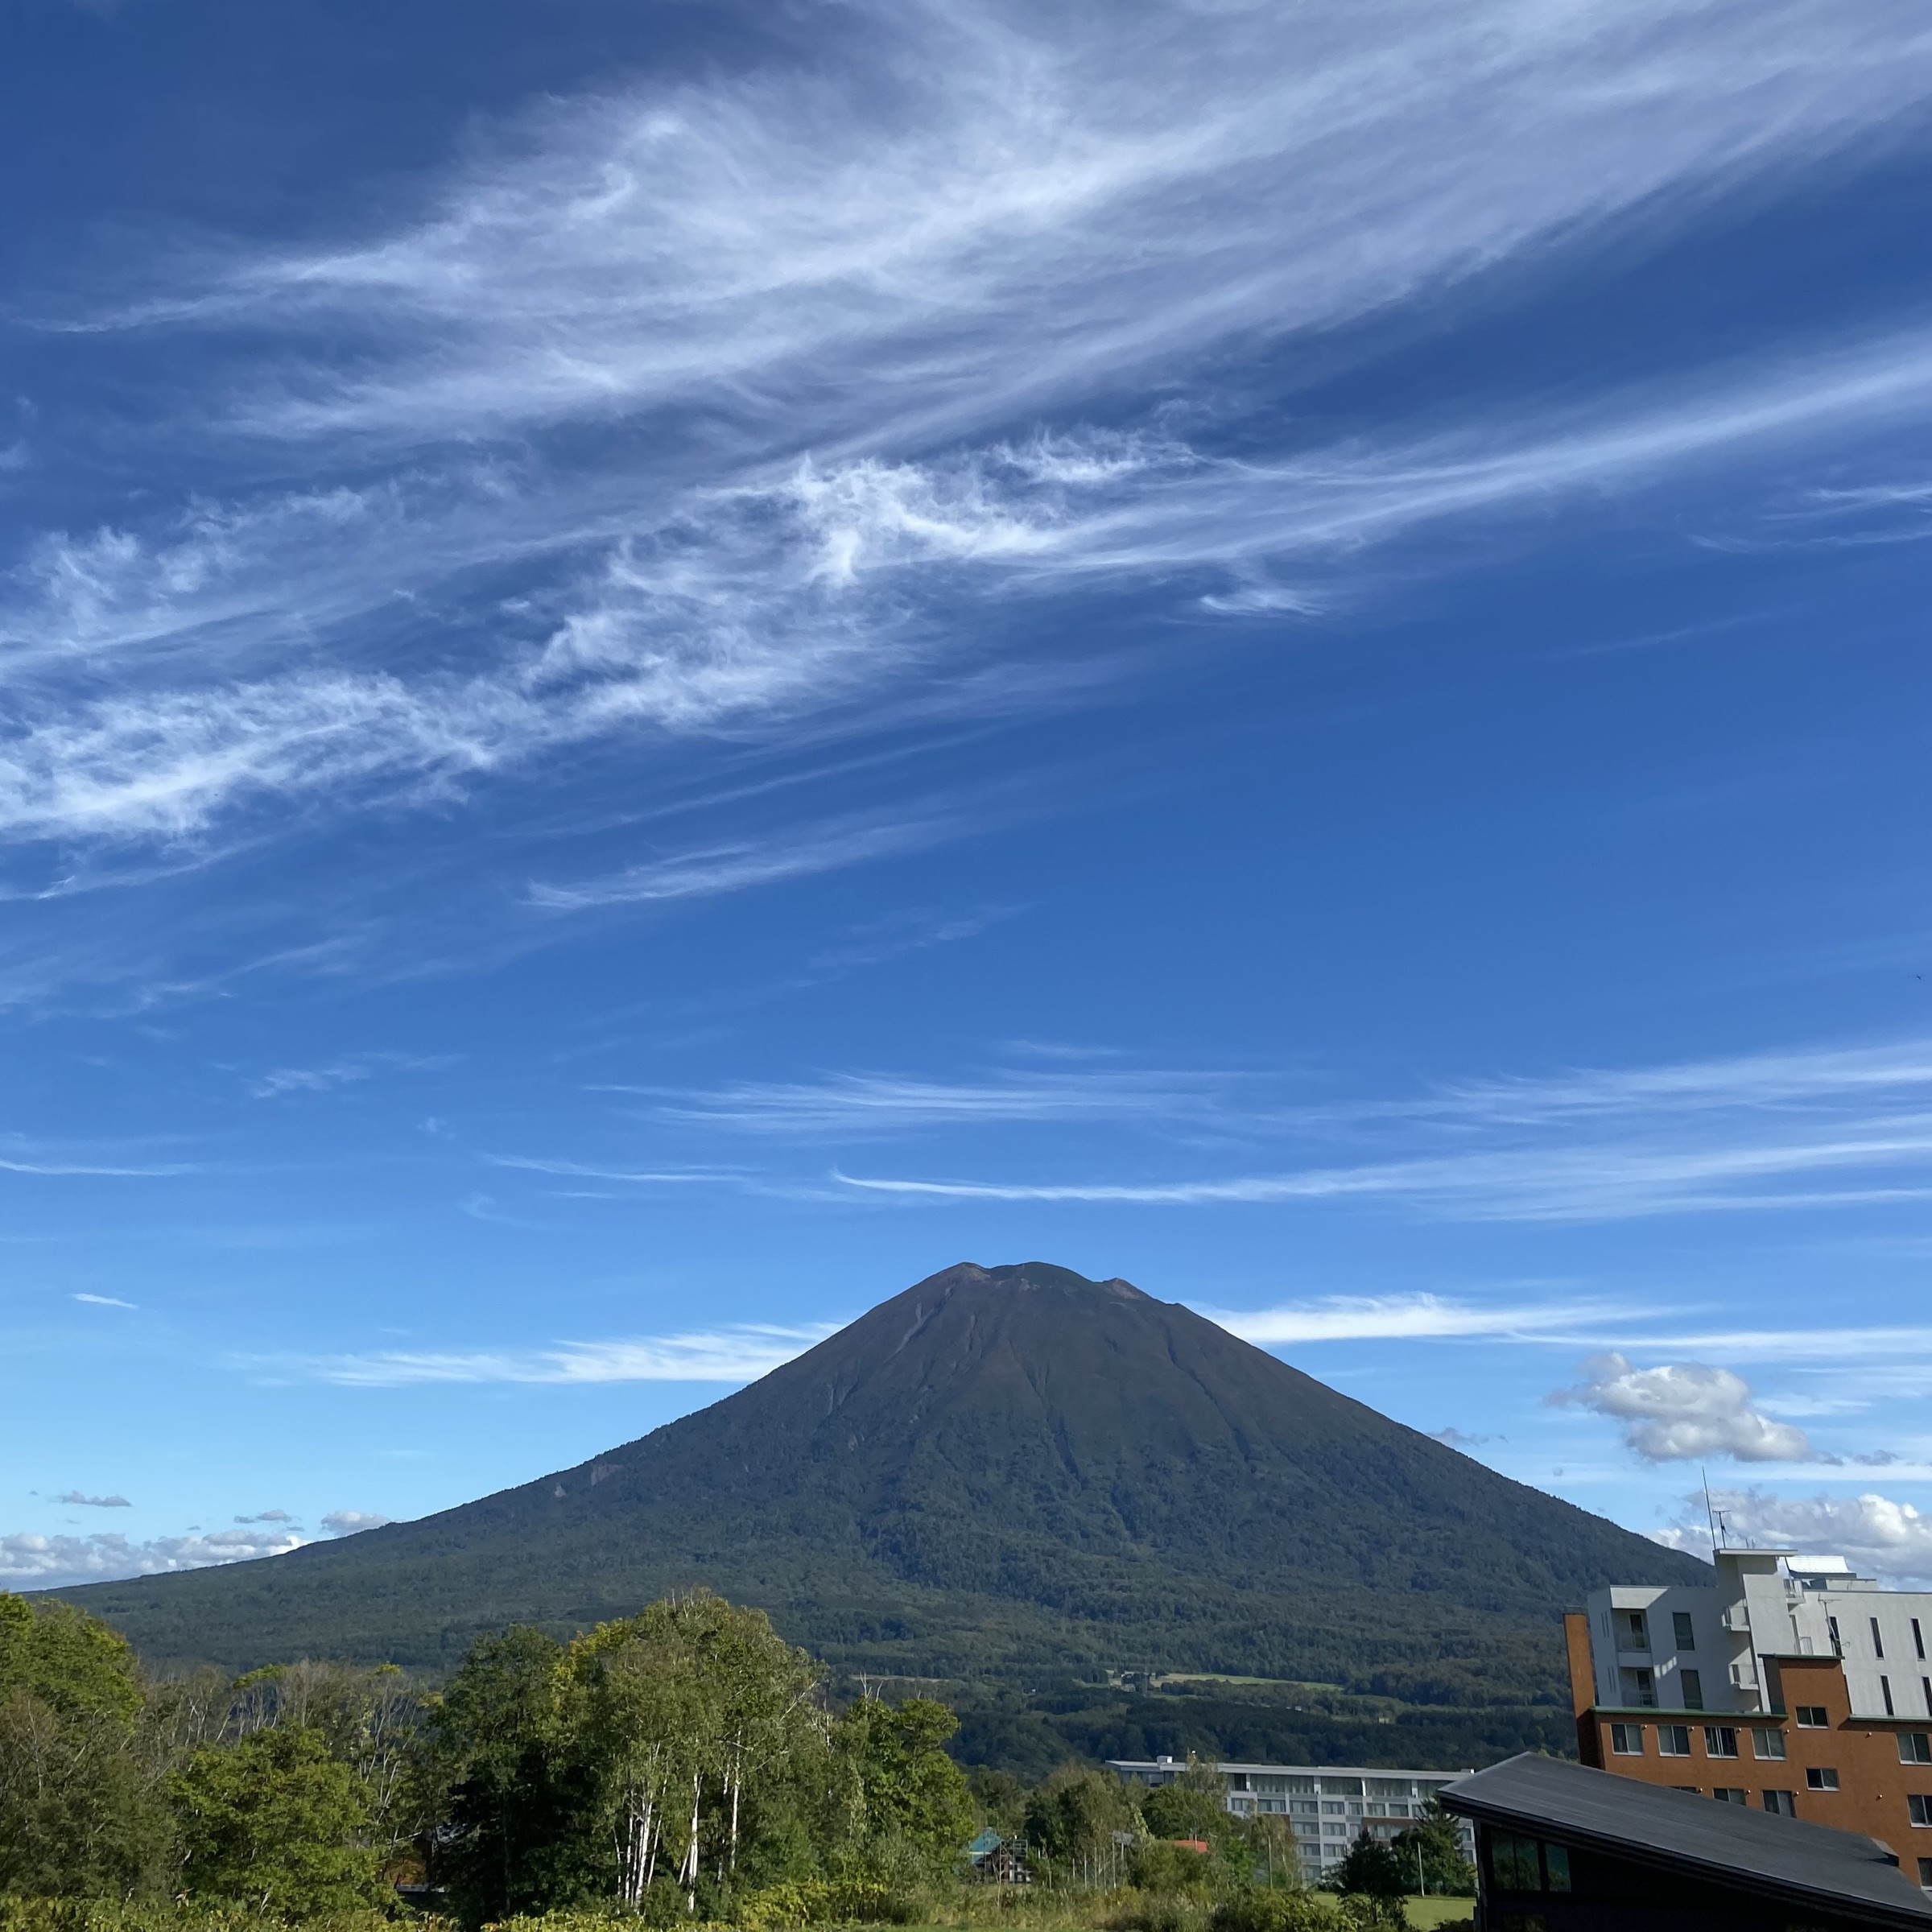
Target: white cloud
<point>95,1502</point>
<point>349,1522</point>
<point>340,1073</point>
<point>1822,1129</point>
<point>1402,1318</point>
<point>307,1079</point>
<point>1880,1536</point>
<point>103,1301</point>
<point>860,1104</point>
<point>32,1561</point>
<point>581,1170</point>
<point>855,278</point>
<point>733,868</point>
<point>733,1355</point>
<point>19,1156</point>
<point>1112,195</point>
<point>1680,1411</point>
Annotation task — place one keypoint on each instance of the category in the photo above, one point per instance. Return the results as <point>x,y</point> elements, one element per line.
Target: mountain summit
<point>1002,1470</point>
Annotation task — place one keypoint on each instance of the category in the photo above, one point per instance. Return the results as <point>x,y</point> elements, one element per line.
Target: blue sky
<point>667,666</point>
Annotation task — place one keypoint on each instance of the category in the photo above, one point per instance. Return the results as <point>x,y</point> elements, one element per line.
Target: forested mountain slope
<point>1002,1473</point>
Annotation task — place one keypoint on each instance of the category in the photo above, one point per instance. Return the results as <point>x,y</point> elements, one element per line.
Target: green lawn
<point>1426,1912</point>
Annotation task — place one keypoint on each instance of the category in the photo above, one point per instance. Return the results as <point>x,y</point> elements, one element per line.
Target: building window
<point>1925,1684</point>
<point>1784,1803</point>
<point>1631,1631</point>
<point>1680,1624</point>
<point>1813,1717</point>
<point>1768,1743</point>
<point>1837,1643</point>
<point>1523,1864</point>
<point>1921,1808</point>
<point>1694,1690</point>
<point>1673,1740</point>
<point>1878,1643</point>
<point>1820,1778</point>
<point>1720,1740</point>
<point>1627,1740</point>
<point>1925,1874</point>
<point>1639,1688</point>
<point>1915,1748</point>
<point>1729,1794</point>
<point>1884,1690</point>
<point>1918,1638</point>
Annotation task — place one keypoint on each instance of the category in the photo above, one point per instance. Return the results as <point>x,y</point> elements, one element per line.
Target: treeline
<point>685,1766</point>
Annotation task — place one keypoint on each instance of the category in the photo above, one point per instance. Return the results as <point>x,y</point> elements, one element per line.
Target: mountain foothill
<point>1101,1524</point>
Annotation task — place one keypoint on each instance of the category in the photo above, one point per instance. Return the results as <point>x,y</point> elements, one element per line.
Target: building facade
<point>1327,1807</point>
<point>1792,1686</point>
<point>1565,1848</point>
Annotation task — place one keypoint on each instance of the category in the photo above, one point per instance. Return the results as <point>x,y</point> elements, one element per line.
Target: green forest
<point>685,1766</point>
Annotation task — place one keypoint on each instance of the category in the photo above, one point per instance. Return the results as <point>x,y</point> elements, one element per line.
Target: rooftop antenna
<point>1710,1514</point>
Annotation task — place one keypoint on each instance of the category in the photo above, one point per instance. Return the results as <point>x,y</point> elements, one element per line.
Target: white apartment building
<point>1679,1648</point>
<point>1328,1806</point>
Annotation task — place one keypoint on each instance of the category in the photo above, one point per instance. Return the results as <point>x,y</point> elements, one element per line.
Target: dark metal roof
<point>1756,1851</point>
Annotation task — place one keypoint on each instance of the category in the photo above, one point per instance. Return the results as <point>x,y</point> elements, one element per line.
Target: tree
<point>71,1662</point>
<point>81,1814</point>
<point>274,1824</point>
<point>1073,1816</point>
<point>903,1809</point>
<point>497,1772</point>
<point>1372,1872</point>
<point>686,1718</point>
<point>1432,1849</point>
<point>1194,1805</point>
<point>1002,1799</point>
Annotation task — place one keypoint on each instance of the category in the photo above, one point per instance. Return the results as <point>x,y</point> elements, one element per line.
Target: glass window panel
<point>1556,1867</point>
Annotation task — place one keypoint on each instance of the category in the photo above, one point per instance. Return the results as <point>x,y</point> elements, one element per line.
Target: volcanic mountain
<point>1001,1472</point>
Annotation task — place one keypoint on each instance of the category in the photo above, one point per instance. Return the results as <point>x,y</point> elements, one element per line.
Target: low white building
<point>1674,1647</point>
<point>1326,1806</point>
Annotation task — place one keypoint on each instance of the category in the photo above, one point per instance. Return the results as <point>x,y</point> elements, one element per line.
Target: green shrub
<point>1168,1870</point>
<point>93,1915</point>
<point>1257,1908</point>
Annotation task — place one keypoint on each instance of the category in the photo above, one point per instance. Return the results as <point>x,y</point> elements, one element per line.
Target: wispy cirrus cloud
<point>18,1155</point>
<point>740,1354</point>
<point>829,292</point>
<point>1819,1128</point>
<point>856,1105</point>
<point>959,178</point>
<point>734,867</point>
<point>336,1074</point>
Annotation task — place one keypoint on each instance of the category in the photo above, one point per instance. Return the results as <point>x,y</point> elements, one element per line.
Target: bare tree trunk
<point>688,1876</point>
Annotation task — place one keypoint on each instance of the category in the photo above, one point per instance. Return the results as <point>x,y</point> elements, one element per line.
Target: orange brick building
<point>1782,1729</point>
